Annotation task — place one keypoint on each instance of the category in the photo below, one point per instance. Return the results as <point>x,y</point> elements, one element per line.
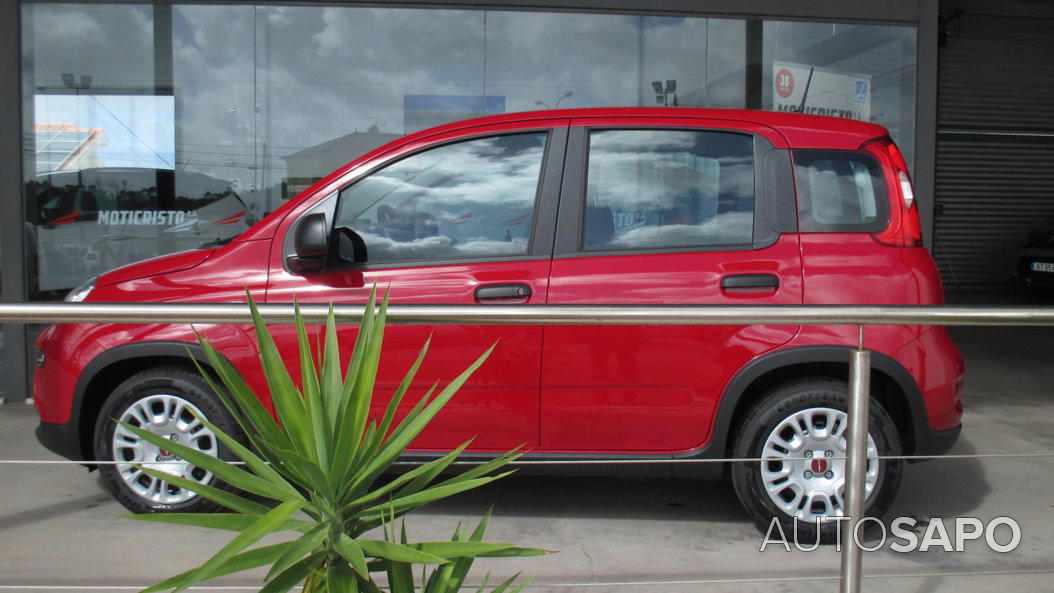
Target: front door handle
<point>492,292</point>
<point>747,282</point>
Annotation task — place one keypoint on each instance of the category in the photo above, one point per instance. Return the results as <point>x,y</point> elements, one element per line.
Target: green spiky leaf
<point>322,452</point>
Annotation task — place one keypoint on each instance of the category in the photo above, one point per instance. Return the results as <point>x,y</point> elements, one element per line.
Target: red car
<point>625,206</point>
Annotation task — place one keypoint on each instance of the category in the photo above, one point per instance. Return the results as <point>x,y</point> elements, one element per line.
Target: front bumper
<point>937,442</point>
<point>1029,277</point>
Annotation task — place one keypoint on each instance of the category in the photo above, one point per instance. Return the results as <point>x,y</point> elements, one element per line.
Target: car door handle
<point>750,281</point>
<point>503,291</point>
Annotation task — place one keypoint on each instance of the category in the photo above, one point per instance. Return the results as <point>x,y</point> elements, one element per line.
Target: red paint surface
<point>566,388</point>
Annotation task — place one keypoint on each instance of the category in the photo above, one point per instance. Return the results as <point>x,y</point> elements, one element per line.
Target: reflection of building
<point>311,164</point>
<point>419,112</point>
<point>66,147</point>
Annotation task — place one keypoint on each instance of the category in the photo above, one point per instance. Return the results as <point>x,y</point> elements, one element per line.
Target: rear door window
<point>649,189</point>
<point>839,191</point>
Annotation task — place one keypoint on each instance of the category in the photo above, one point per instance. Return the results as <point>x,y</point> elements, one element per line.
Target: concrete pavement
<point>58,528</point>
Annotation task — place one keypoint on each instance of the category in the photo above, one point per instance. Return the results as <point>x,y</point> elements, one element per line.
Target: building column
<point>12,224</point>
<point>926,115</point>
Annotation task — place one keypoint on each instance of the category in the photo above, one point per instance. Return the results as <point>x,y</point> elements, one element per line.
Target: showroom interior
<point>176,113</point>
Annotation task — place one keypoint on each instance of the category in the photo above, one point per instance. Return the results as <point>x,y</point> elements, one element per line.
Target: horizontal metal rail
<point>213,313</point>
<point>590,461</point>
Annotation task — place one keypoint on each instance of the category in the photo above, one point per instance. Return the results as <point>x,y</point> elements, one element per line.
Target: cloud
<point>725,229</point>
<point>80,39</point>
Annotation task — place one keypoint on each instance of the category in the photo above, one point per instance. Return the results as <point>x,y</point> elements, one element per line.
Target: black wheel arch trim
<point>717,445</point>
<point>106,359</point>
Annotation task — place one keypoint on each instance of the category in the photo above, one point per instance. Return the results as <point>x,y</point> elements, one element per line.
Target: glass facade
<point>154,128</point>
<point>844,70</point>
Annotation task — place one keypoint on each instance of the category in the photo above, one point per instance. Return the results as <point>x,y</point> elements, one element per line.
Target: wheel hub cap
<point>803,471</point>
<point>170,416</point>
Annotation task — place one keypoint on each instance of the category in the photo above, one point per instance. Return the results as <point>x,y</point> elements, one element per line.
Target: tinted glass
<point>274,96</point>
<point>464,200</point>
<point>839,191</point>
<point>93,220</point>
<point>668,188</point>
<point>862,72</point>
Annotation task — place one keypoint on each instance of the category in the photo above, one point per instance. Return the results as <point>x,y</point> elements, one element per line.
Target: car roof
<point>800,130</point>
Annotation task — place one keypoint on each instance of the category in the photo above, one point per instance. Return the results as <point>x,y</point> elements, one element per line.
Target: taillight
<point>904,228</point>
<point>906,191</point>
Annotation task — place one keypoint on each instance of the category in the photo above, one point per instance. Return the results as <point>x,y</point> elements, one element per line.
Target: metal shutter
<point>995,145</point>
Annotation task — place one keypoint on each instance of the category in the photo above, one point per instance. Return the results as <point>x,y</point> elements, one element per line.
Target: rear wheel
<point>163,401</point>
<point>799,429</point>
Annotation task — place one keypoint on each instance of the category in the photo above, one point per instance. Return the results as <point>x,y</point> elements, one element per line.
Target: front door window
<point>464,200</point>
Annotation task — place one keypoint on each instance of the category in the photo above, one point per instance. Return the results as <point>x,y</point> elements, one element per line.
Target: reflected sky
<point>255,84</point>
<point>658,188</point>
<point>464,199</point>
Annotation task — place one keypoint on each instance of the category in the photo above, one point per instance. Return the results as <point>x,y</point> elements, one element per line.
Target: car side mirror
<point>351,248</point>
<point>310,244</point>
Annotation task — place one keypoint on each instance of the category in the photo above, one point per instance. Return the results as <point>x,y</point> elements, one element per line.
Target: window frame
<point>571,226</point>
<point>540,239</point>
<point>809,224</point>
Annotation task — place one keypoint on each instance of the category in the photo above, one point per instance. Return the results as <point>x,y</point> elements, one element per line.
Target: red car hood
<point>155,266</point>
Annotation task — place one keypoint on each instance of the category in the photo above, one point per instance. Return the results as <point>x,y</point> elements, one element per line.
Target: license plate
<point>1039,266</point>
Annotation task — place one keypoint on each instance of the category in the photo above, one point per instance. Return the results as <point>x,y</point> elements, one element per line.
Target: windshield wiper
<point>216,243</point>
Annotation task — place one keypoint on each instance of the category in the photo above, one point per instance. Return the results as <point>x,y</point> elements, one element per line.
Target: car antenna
<point>805,93</point>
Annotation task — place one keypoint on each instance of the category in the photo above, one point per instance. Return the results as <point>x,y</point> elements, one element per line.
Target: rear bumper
<point>59,438</point>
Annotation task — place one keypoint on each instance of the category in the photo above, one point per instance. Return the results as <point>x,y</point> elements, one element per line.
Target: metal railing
<point>207,313</point>
<point>859,358</point>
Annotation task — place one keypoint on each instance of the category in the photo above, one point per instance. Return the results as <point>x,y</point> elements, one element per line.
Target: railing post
<point>855,464</point>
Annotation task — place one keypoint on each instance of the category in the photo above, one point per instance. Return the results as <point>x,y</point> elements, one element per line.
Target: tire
<point>163,393</point>
<point>819,402</point>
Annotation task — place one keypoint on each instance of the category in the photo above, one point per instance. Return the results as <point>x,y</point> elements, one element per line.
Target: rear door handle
<point>503,291</point>
<point>750,281</point>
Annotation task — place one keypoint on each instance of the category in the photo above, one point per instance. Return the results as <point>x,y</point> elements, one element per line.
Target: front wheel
<point>799,429</point>
<point>163,401</point>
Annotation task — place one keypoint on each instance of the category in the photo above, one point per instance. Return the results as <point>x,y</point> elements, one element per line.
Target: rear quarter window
<point>840,191</point>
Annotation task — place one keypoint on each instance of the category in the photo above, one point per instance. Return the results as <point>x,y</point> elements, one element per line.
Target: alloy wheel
<point>170,416</point>
<point>803,467</point>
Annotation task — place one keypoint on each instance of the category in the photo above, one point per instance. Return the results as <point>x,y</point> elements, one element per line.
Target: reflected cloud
<point>668,188</point>
<point>385,249</point>
<point>725,229</point>
<point>465,199</point>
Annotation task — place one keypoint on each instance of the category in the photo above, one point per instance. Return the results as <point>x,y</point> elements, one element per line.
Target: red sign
<point>784,83</point>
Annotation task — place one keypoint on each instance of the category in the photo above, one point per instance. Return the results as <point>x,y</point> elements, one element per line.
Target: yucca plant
<point>326,459</point>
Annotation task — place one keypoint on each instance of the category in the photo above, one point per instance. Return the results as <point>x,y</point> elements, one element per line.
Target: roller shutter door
<point>995,146</point>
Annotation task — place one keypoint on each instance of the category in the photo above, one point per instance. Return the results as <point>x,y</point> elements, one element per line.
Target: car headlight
<point>81,292</point>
